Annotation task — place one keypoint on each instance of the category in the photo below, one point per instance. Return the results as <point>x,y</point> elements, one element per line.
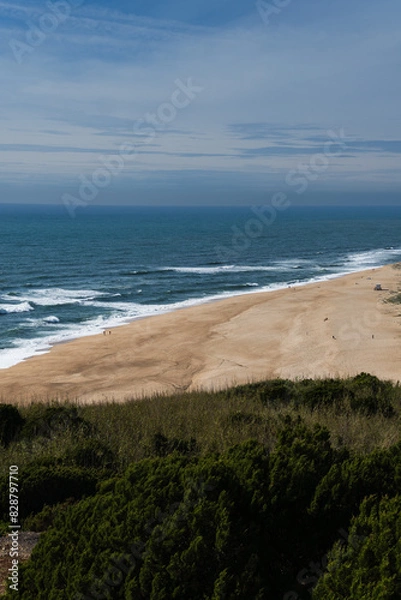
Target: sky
<point>200,101</point>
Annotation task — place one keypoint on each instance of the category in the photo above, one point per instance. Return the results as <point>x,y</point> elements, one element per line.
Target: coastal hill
<point>277,489</point>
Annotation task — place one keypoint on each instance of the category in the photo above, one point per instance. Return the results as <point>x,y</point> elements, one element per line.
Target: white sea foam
<point>294,263</point>
<point>372,258</point>
<point>20,351</point>
<point>55,296</point>
<point>21,307</point>
<point>51,320</point>
<point>219,269</point>
<point>39,322</point>
<point>276,266</point>
<point>279,266</point>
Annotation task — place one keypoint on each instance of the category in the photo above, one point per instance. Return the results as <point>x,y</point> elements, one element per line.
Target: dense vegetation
<point>273,490</point>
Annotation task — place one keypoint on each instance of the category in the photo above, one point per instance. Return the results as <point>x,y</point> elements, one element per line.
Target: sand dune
<point>338,327</point>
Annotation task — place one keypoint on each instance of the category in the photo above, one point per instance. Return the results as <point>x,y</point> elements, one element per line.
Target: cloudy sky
<point>200,101</point>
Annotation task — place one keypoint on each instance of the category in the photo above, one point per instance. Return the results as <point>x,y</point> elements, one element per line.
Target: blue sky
<point>199,101</point>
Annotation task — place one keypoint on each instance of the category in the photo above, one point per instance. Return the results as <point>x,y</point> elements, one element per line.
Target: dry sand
<point>335,328</point>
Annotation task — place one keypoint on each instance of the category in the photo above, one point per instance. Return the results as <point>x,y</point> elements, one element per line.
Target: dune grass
<point>216,421</point>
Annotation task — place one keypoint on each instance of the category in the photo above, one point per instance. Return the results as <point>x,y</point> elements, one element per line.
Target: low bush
<point>11,423</point>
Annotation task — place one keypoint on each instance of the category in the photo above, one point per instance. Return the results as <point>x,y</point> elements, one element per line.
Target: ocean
<point>63,278</point>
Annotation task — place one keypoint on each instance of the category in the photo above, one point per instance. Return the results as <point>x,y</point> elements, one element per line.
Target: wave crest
<point>6,309</point>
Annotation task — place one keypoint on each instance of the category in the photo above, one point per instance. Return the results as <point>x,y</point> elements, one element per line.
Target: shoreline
<point>337,326</point>
<point>45,346</point>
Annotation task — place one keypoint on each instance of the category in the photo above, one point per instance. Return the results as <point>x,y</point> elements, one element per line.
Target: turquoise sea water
<point>62,278</point>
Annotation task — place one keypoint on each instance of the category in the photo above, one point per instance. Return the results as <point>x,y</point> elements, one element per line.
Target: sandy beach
<point>333,328</point>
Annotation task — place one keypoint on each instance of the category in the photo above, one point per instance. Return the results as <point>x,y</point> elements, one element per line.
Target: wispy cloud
<point>271,93</point>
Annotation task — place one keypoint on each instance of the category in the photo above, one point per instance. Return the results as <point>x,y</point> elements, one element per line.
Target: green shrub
<point>90,453</point>
<point>364,394</point>
<point>11,423</point>
<point>197,527</point>
<point>266,392</point>
<point>48,421</point>
<point>369,566</point>
<point>326,392</point>
<point>174,527</point>
<point>244,418</point>
<point>43,520</point>
<point>48,485</point>
<point>161,446</point>
<point>339,494</point>
<point>371,396</point>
